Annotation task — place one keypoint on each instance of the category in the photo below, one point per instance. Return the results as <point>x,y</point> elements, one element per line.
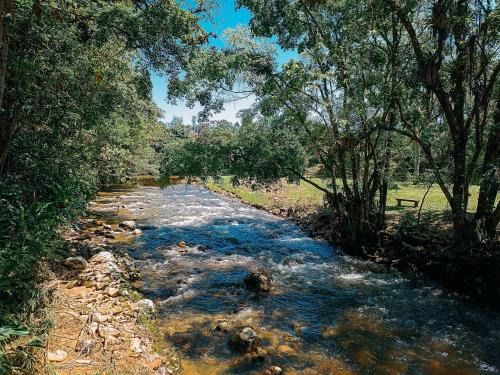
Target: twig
<point>422,204</point>
<point>81,329</point>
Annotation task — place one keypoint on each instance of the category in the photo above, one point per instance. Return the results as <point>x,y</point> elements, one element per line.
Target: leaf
<point>9,332</point>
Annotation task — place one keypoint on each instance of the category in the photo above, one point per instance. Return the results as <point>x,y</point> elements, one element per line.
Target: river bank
<point>472,272</point>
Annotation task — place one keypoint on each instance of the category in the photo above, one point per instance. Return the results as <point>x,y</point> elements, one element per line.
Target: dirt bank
<point>101,324</point>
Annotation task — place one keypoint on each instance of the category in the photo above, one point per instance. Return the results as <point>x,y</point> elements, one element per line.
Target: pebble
<point>101,318</point>
<point>108,331</point>
<point>76,263</point>
<point>155,364</point>
<point>129,224</point>
<point>113,292</point>
<point>135,345</point>
<point>57,356</point>
<point>275,370</point>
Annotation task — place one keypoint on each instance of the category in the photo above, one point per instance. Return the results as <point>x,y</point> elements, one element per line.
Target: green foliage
<point>257,150</point>
<point>76,112</point>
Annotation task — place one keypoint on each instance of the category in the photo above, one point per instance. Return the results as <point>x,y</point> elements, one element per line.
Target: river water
<point>329,314</point>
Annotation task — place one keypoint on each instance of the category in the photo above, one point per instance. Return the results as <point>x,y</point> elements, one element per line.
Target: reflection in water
<point>329,314</point>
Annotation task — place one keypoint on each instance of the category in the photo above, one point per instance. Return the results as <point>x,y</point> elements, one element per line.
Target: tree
<point>455,49</point>
<point>259,151</point>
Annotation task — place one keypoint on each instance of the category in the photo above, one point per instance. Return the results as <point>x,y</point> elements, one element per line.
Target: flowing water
<point>329,314</point>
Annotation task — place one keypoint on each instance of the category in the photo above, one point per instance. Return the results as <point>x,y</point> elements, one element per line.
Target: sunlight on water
<point>328,313</point>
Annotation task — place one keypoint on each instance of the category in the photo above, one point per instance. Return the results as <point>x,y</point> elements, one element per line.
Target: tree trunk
<point>487,216</point>
<point>460,193</point>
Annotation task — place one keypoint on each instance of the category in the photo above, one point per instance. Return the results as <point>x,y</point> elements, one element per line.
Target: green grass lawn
<point>286,195</point>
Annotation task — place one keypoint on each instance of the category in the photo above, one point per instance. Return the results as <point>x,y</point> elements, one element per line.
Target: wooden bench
<point>414,201</point>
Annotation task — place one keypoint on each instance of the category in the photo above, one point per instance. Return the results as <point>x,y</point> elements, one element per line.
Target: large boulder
<point>129,224</point>
<point>259,282</point>
<point>244,340</point>
<point>76,263</point>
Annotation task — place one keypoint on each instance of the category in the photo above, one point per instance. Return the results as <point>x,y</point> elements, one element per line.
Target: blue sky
<point>224,18</point>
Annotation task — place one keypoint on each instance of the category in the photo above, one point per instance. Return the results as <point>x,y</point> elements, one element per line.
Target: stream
<point>329,313</point>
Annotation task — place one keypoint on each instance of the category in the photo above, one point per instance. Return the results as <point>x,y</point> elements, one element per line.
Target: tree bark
<point>487,215</point>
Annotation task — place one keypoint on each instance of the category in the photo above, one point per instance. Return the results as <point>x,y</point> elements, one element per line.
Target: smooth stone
<point>113,292</point>
<point>275,370</point>
<point>76,263</point>
<point>101,318</point>
<point>105,331</point>
<point>135,345</point>
<point>57,356</point>
<point>129,224</point>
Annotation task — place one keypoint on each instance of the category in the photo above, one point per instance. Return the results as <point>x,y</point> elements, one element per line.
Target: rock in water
<point>76,263</point>
<point>130,225</point>
<point>275,370</point>
<point>222,326</point>
<point>259,282</point>
<point>244,340</point>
